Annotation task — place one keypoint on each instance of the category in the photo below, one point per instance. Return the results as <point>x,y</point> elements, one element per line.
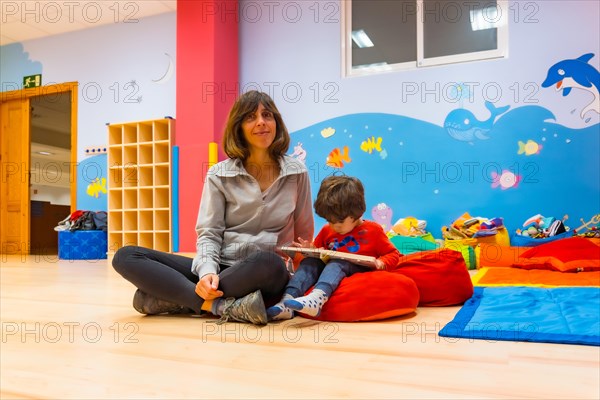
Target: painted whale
<point>579,74</point>
<point>462,125</point>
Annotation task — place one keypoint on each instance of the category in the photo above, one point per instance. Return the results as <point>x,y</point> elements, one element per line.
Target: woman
<point>252,202</point>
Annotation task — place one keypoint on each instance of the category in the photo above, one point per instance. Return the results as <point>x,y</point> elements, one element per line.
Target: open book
<point>326,255</point>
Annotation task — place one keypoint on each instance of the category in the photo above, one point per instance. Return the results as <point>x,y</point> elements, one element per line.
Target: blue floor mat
<point>529,314</point>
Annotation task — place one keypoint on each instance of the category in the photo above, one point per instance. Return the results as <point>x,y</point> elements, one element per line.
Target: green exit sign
<point>32,81</point>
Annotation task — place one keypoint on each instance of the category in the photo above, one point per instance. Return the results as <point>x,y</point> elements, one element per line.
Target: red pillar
<point>207,85</point>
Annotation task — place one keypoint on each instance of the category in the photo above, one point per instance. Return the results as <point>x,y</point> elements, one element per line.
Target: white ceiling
<point>26,20</point>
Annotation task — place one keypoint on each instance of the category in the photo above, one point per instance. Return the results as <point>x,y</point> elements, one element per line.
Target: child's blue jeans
<point>327,277</point>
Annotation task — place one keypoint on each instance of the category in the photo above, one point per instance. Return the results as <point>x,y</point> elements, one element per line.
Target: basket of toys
<point>538,230</point>
<point>409,235</point>
<point>466,232</point>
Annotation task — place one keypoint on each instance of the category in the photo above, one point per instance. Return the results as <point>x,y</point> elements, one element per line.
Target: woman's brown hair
<point>234,143</point>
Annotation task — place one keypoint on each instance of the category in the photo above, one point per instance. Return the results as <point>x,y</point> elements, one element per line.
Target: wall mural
<point>91,183</point>
<point>579,74</point>
<point>513,163</point>
<point>166,77</point>
<point>462,125</point>
<point>15,64</point>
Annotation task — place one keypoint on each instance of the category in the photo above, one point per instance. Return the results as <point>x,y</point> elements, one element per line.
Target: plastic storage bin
<point>82,245</point>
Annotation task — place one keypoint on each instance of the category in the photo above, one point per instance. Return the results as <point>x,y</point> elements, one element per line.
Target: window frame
<point>421,61</point>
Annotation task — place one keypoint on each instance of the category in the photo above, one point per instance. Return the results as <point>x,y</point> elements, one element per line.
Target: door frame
<point>51,89</point>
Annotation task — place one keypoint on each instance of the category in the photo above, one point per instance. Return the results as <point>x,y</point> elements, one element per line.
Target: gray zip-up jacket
<point>235,217</point>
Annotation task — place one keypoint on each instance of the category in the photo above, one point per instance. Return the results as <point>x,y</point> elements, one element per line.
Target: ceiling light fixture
<point>45,153</point>
<point>361,39</point>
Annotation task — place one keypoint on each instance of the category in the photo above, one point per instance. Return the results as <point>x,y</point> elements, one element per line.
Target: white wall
<point>279,50</point>
<point>119,69</point>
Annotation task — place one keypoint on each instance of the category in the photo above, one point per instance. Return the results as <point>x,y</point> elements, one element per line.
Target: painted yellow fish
<point>95,188</point>
<point>371,144</point>
<point>336,158</point>
<point>530,148</point>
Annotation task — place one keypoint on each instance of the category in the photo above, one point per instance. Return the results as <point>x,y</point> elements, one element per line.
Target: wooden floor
<point>69,332</point>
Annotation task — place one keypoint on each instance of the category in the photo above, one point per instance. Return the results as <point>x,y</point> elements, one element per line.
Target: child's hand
<point>303,243</point>
<point>379,264</point>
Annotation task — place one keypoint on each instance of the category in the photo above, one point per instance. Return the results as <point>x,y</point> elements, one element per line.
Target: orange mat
<point>505,276</point>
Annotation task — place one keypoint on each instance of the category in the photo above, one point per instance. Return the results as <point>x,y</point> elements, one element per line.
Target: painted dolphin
<point>579,74</point>
<point>462,125</point>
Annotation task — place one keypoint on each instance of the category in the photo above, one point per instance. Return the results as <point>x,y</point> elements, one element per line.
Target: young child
<point>341,201</point>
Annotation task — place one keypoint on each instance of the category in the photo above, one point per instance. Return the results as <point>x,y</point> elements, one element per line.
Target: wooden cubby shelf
<point>139,184</point>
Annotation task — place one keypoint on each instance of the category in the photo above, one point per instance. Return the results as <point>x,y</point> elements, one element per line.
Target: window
<point>387,35</point>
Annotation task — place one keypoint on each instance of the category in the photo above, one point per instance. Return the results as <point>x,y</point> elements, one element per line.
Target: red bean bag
<point>430,278</point>
<point>441,276</point>
<point>566,255</point>
<point>370,296</point>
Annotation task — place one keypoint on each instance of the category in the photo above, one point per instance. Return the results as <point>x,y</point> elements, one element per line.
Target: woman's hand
<point>303,243</point>
<point>380,265</point>
<point>207,287</point>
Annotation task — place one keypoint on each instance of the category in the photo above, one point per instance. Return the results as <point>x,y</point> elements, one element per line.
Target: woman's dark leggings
<point>169,276</point>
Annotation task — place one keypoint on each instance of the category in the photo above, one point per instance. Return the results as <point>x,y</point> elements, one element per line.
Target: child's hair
<point>340,197</point>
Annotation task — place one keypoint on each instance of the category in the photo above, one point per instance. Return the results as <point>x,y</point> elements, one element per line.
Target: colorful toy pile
<point>540,227</point>
<point>410,235</point>
<point>590,228</point>
<point>466,227</point>
<point>410,226</point>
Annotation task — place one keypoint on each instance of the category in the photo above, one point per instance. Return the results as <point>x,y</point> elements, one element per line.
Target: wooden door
<point>15,176</point>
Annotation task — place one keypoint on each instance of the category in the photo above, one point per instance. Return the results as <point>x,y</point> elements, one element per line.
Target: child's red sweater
<point>367,239</point>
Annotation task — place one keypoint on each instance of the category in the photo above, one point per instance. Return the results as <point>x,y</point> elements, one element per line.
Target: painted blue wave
<point>427,174</point>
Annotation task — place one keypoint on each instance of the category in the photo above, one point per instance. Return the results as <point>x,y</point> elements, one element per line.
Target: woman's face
<point>259,129</point>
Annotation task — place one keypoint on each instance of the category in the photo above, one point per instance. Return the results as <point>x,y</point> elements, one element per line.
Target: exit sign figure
<point>32,81</point>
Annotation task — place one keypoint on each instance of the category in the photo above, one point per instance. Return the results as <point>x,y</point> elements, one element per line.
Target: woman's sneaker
<point>150,305</point>
<point>250,308</point>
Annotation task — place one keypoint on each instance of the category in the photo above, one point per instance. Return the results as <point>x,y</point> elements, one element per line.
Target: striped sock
<point>310,304</point>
